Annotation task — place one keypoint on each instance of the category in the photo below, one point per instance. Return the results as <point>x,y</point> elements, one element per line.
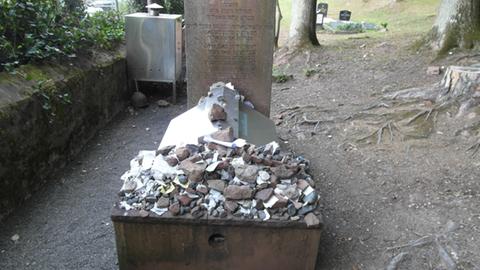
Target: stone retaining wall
<point>48,113</point>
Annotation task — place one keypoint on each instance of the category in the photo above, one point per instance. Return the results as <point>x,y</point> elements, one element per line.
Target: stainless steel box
<point>154,48</point>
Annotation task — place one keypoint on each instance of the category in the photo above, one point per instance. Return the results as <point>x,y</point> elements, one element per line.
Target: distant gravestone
<point>322,8</point>
<point>345,15</point>
<point>322,11</point>
<point>230,41</point>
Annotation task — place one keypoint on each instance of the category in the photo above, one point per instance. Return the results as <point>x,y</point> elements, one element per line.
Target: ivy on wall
<point>33,31</point>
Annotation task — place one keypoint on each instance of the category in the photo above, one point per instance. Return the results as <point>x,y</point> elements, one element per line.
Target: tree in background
<point>74,5</point>
<point>303,25</point>
<point>457,25</point>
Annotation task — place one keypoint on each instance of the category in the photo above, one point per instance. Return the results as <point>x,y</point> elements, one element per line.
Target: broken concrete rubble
<point>235,192</point>
<point>217,174</point>
<point>264,194</point>
<point>217,113</point>
<point>247,173</point>
<point>220,184</point>
<point>311,220</point>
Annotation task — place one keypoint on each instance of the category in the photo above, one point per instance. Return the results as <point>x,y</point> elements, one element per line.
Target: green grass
<point>410,16</point>
<point>286,7</point>
<point>403,17</point>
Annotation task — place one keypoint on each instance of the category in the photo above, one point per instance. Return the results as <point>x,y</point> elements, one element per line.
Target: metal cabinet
<point>154,48</point>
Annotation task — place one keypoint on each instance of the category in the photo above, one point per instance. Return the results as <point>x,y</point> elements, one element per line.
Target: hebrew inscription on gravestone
<point>230,41</point>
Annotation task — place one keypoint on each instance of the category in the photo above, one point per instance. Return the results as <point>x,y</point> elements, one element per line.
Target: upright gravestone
<point>322,11</point>
<point>345,15</point>
<point>230,41</point>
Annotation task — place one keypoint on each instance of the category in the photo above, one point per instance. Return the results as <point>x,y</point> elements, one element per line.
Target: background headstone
<point>322,8</point>
<point>322,11</point>
<point>230,41</point>
<point>345,15</point>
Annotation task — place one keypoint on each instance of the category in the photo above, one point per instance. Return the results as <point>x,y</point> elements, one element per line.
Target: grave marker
<point>345,15</point>
<point>230,41</point>
<point>322,11</point>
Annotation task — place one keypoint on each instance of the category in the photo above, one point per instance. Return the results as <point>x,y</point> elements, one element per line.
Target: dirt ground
<point>419,198</point>
<point>67,224</point>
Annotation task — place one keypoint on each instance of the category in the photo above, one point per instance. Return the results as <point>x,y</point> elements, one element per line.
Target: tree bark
<point>303,25</point>
<point>457,25</point>
<point>278,20</point>
<point>462,85</point>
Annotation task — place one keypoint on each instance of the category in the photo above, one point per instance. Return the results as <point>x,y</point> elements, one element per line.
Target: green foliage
<point>173,6</point>
<point>282,78</point>
<point>32,31</point>
<point>51,100</point>
<point>310,72</point>
<point>129,6</point>
<point>350,27</point>
<point>279,76</point>
<point>403,17</point>
<point>105,29</point>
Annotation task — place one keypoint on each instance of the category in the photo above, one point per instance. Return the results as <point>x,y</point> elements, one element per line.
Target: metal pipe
<point>149,2</point>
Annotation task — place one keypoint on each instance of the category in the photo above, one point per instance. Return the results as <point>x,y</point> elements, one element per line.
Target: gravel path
<point>66,225</point>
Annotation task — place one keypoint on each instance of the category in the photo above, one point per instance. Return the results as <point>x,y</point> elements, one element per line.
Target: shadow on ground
<point>66,225</point>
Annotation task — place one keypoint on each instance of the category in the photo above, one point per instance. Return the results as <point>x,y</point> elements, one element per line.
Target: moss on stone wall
<point>44,129</point>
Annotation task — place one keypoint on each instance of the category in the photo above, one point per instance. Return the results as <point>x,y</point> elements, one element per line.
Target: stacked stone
<point>209,180</point>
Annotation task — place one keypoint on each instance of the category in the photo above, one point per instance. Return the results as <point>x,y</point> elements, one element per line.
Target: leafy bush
<point>344,27</point>
<point>32,31</point>
<point>351,27</point>
<point>105,29</point>
<point>174,6</point>
<point>130,6</point>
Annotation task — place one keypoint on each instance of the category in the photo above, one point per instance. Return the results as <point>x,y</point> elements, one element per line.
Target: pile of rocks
<point>212,180</point>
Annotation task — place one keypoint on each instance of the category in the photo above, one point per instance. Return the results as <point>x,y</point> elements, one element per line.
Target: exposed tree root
<point>292,50</point>
<point>297,108</point>
<point>388,128</point>
<point>439,240</point>
<point>377,105</point>
<point>424,93</point>
<point>315,122</point>
<point>416,109</point>
<point>425,113</point>
<point>474,148</point>
<point>427,239</point>
<point>395,262</point>
<point>474,127</point>
<point>297,115</point>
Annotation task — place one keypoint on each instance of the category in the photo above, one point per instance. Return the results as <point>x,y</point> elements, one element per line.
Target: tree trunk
<point>278,20</point>
<point>457,25</point>
<point>462,85</point>
<point>303,25</point>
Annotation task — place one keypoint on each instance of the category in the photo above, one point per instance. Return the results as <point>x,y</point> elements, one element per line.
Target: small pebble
<point>15,237</point>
